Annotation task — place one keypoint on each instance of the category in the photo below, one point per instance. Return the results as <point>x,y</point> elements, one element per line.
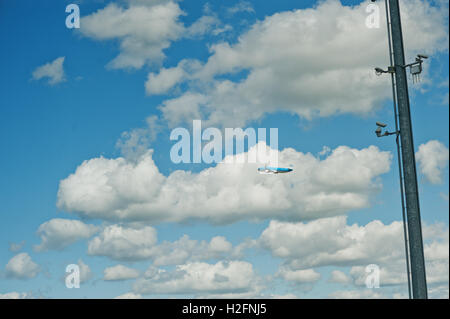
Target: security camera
<point>378,131</point>
<point>379,124</point>
<point>422,56</point>
<point>379,70</point>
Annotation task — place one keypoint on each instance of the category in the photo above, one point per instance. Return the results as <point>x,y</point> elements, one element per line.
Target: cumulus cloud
<point>394,273</point>
<point>21,266</point>
<point>129,295</point>
<point>85,272</point>
<point>119,272</point>
<point>312,62</point>
<point>204,25</point>
<point>331,242</point>
<point>117,189</point>
<point>15,295</point>
<point>165,80</point>
<point>128,244</point>
<point>357,294</point>
<point>339,277</point>
<point>144,30</point>
<point>186,249</point>
<point>53,71</point>
<point>57,233</point>
<point>299,276</point>
<point>136,142</point>
<point>123,243</point>
<point>235,277</point>
<point>389,275</point>
<point>432,158</point>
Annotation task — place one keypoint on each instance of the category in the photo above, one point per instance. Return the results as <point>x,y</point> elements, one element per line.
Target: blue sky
<point>126,79</point>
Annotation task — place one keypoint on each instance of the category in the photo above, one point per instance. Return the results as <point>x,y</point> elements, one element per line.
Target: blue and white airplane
<point>273,170</point>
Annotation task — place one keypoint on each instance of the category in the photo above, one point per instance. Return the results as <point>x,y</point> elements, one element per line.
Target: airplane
<point>273,170</point>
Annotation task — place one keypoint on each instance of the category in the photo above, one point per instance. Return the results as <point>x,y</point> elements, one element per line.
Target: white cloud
<point>85,272</point>
<point>221,30</point>
<point>129,295</point>
<point>194,278</point>
<point>331,242</point>
<point>135,143</point>
<point>120,272</point>
<point>432,158</point>
<point>15,295</point>
<point>57,233</point>
<point>184,107</point>
<point>286,296</point>
<point>164,80</point>
<point>393,270</point>
<point>54,71</point>
<point>117,189</point>
<point>219,244</point>
<point>186,249</point>
<point>241,6</point>
<point>357,294</point>
<point>205,24</point>
<point>118,242</point>
<point>389,275</point>
<point>438,292</point>
<point>299,276</point>
<point>125,243</point>
<point>394,273</point>
<point>325,150</point>
<point>21,266</point>
<point>435,231</point>
<point>339,277</point>
<point>312,62</point>
<point>251,294</point>
<point>144,30</point>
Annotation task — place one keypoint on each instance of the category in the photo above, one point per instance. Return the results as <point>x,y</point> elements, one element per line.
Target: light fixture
<point>379,71</point>
<point>379,130</point>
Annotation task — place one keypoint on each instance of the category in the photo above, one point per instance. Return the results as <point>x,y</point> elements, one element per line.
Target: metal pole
<point>419,283</point>
<point>399,159</point>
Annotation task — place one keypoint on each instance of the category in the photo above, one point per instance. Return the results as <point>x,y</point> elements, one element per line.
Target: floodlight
<point>378,131</point>
<point>379,71</point>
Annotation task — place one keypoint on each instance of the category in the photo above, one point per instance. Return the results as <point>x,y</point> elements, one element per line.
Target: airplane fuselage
<point>274,170</point>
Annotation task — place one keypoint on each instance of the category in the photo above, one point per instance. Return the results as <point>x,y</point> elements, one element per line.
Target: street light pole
<point>399,156</point>
<point>418,276</point>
